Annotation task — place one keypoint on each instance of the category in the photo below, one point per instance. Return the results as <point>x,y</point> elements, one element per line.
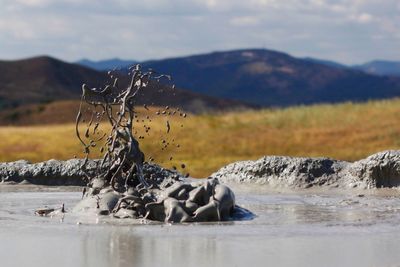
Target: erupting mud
<point>118,187</point>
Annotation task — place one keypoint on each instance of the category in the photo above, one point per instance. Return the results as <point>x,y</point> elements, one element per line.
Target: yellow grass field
<point>345,131</point>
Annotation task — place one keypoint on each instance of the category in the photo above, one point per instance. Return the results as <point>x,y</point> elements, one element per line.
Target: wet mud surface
<point>292,228</point>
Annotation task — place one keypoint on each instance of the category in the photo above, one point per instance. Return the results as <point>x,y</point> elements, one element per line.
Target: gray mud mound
<point>376,171</point>
<point>283,171</point>
<point>60,173</point>
<point>379,170</point>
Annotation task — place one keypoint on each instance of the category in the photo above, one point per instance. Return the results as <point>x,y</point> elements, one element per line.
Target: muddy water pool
<point>307,228</point>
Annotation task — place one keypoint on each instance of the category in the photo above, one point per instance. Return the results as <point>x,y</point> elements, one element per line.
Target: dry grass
<point>345,131</point>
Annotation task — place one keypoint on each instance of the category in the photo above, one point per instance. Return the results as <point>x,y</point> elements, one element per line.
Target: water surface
<point>290,229</point>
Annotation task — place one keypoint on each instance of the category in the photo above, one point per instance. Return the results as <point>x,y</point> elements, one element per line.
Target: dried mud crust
<point>69,172</point>
<point>376,171</point>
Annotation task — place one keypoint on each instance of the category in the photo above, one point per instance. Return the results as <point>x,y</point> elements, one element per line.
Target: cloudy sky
<point>348,31</point>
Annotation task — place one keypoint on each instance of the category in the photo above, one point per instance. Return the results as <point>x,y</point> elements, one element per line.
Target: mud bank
<point>376,171</point>
<point>69,172</point>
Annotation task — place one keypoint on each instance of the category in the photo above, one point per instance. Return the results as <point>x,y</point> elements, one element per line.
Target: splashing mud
<point>119,186</point>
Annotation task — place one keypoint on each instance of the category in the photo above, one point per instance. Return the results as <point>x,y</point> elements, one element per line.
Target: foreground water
<point>290,229</point>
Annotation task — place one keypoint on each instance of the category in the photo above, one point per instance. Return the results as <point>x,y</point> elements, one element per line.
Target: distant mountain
<point>271,78</point>
<point>45,79</point>
<point>381,67</point>
<point>105,65</point>
<point>257,77</point>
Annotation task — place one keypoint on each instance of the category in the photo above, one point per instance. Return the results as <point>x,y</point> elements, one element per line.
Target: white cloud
<point>33,3</point>
<point>245,21</point>
<point>362,18</point>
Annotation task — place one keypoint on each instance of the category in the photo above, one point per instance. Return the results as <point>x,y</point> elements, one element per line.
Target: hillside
<point>271,78</point>
<point>45,79</point>
<point>41,80</point>
<point>207,142</point>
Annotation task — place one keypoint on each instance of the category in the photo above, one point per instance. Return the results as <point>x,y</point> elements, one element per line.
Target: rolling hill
<point>45,79</point>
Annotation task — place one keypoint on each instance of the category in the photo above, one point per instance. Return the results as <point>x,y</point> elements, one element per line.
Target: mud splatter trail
<point>115,104</point>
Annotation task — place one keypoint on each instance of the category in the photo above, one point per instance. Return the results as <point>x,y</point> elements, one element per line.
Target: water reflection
<point>131,248</point>
<point>123,247</point>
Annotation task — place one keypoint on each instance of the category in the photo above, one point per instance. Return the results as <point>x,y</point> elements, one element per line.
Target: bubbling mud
<point>171,201</point>
<point>119,187</point>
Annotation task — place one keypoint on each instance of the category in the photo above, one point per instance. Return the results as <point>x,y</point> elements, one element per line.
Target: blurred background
<point>256,77</point>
